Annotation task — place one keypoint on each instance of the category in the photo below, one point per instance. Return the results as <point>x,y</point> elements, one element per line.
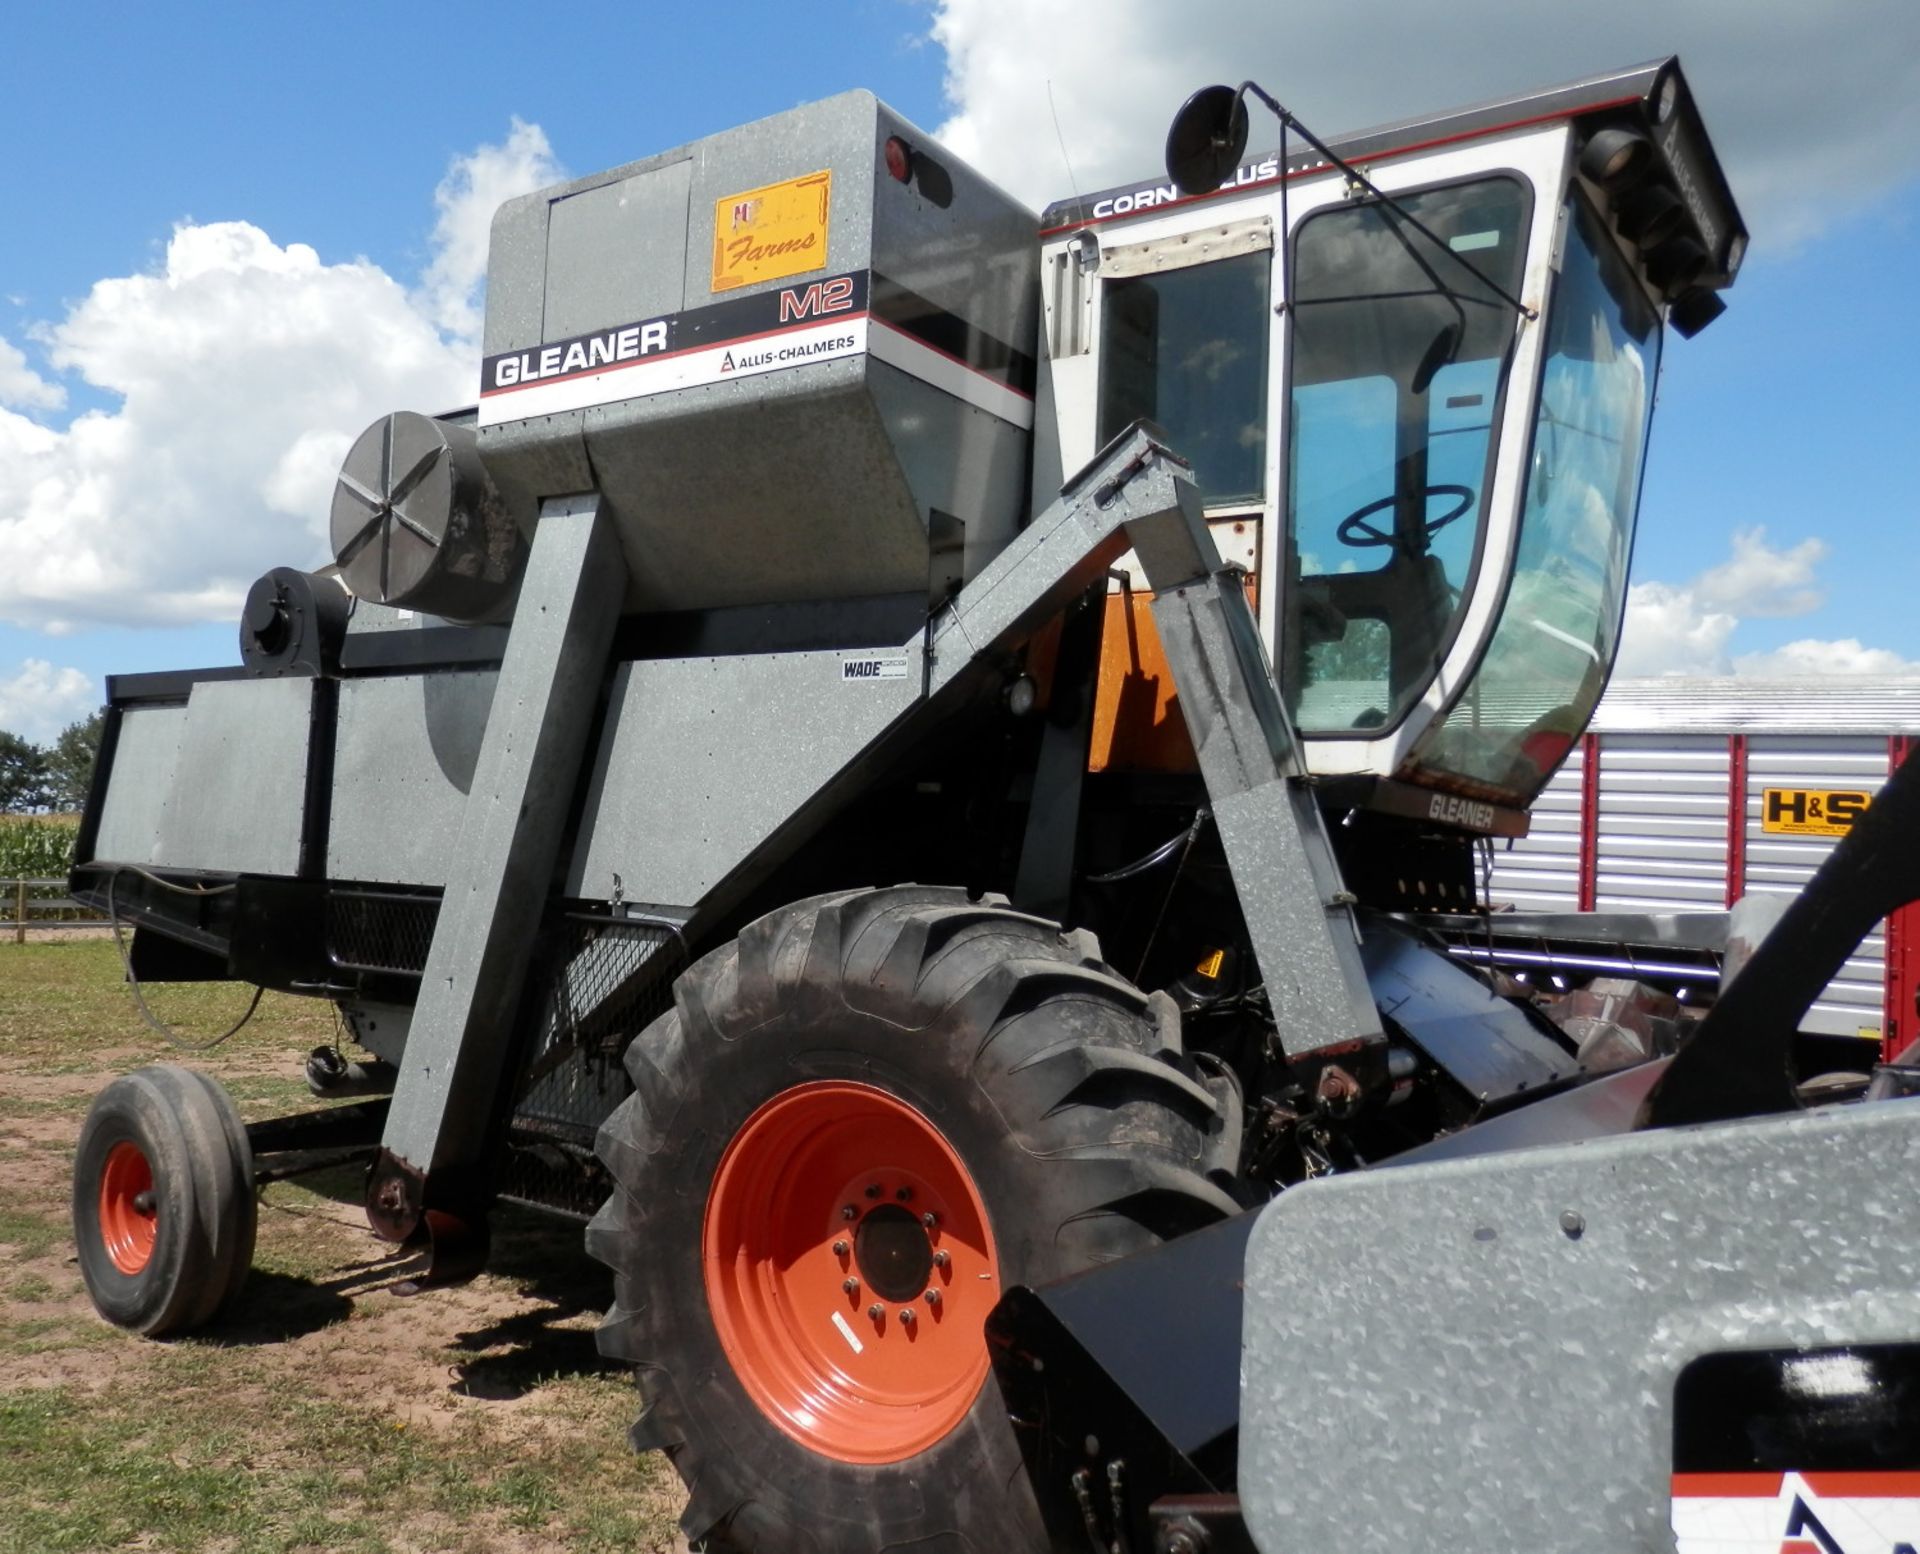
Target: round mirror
<point>1204,145</point>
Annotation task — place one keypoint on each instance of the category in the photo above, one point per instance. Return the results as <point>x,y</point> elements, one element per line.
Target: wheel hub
<point>849,1268</point>
<point>128,1222</point>
<point>893,1253</point>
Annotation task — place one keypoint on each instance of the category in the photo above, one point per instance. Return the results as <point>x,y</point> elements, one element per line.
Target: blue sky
<point>177,372</point>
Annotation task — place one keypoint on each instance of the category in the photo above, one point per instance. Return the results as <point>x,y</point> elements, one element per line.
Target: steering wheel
<point>1354,529</point>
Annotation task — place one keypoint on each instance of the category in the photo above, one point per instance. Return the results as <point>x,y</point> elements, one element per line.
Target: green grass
<point>183,1465</point>
<point>62,1006</point>
<point>242,1440</point>
<point>31,1234</point>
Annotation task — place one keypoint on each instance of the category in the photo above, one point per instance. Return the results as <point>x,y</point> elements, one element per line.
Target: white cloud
<point>1758,580</point>
<point>1847,128</point>
<point>1824,659</point>
<point>474,188</point>
<point>1688,629</point>
<point>243,368</point>
<point>21,386</point>
<point>40,700</point>
<point>1669,630</point>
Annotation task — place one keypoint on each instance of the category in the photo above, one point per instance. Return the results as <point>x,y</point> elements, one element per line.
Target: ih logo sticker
<point>764,234</point>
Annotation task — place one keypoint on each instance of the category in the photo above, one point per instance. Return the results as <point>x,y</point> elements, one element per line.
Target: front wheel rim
<point>128,1221</point>
<point>850,1266</point>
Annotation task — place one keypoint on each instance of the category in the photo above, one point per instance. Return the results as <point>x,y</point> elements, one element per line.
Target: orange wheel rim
<point>850,1268</point>
<point>127,1219</point>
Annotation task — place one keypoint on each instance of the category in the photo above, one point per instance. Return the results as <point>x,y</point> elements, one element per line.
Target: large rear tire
<point>163,1204</point>
<point>862,1121</point>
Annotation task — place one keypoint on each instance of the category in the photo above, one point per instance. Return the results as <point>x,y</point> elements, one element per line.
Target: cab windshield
<point>1547,664</point>
<point>1399,363</point>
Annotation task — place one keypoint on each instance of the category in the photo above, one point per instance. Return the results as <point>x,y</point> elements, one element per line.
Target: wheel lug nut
<point>876,1311</point>
<point>940,1259</point>
<point>839,1249</point>
<point>851,1286</point>
<point>874,1190</point>
<point>848,1211</point>
<point>143,1203</point>
<point>929,1219</point>
<point>907,1317</point>
<point>905,1194</point>
<point>933,1297</point>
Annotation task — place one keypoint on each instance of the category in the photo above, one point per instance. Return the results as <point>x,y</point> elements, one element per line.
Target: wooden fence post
<point>19,911</point>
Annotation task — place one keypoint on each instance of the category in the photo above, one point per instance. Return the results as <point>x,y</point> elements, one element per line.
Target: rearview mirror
<point>1208,136</point>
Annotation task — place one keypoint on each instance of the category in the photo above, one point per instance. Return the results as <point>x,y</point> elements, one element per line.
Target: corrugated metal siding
<point>1663,803</point>
<point>1541,871</point>
<point>1735,706</point>
<point>1662,824</point>
<point>1853,1003</point>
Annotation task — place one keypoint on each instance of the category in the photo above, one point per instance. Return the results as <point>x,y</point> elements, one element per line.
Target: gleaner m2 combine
<point>1182,601</point>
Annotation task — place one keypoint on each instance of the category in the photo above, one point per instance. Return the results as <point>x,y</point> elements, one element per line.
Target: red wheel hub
<point>850,1268</point>
<point>127,1217</point>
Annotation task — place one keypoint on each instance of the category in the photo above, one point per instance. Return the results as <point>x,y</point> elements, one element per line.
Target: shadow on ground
<point>276,1307</point>
<point>547,1259</point>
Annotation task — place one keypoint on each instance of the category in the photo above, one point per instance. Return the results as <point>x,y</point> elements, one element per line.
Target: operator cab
<point>1425,443</point>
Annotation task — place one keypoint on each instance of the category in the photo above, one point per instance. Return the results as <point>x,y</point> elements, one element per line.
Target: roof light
<point>1649,214</point>
<point>899,159</point>
<point>1666,98</point>
<point>1616,157</point>
<point>1693,310</point>
<point>1675,264</point>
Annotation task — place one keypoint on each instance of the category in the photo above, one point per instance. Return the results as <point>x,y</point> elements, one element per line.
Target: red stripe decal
<point>1864,1486</point>
<point>1727,1486</point>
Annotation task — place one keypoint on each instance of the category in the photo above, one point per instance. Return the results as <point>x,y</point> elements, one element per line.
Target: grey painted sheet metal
<point>508,843</point>
<point>144,759</point>
<point>821,475</point>
<point>704,757</point>
<point>217,785</point>
<point>403,763</point>
<point>1499,1385</point>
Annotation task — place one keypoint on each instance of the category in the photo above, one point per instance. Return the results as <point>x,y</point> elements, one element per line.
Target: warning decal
<point>1811,811</point>
<point>764,234</point>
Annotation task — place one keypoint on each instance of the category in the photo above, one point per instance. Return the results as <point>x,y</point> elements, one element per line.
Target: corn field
<point>37,848</point>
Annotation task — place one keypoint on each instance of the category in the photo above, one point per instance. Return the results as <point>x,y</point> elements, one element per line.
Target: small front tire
<point>163,1203</point>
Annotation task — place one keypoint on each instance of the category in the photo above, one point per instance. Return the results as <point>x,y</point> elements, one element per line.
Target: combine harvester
<point>1185,601</point>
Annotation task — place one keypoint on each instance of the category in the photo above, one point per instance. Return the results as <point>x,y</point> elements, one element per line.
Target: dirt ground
<point>327,1411</point>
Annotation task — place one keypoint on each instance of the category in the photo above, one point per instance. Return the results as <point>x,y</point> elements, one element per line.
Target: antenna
<point>1072,183</point>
